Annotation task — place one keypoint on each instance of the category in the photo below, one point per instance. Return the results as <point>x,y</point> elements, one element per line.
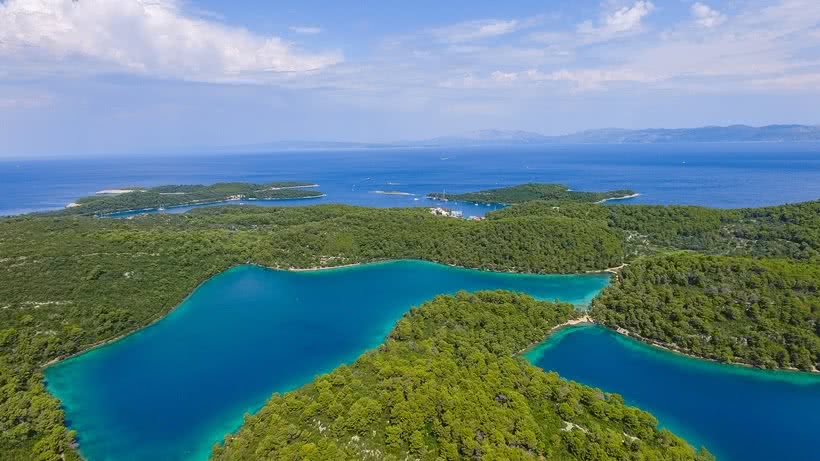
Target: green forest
<point>179,195</point>
<point>69,281</point>
<point>529,192</point>
<point>762,312</point>
<point>786,231</point>
<point>445,386</point>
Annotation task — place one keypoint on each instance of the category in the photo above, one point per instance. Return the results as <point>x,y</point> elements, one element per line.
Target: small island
<point>533,191</point>
<point>121,200</point>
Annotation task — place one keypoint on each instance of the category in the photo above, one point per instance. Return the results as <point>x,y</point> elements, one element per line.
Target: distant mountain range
<point>734,133</point>
<point>712,134</point>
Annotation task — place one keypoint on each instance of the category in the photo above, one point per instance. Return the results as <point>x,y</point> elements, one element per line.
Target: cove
<point>173,389</point>
<point>739,414</point>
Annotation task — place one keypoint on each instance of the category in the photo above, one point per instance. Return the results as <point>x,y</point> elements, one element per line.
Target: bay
<point>738,413</point>
<point>172,390</point>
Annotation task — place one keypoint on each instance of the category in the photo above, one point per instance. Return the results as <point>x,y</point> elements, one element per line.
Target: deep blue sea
<point>720,175</point>
<point>172,390</point>
<point>739,414</point>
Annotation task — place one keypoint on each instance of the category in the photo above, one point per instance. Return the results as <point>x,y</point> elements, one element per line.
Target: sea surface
<point>739,414</point>
<point>719,175</point>
<point>172,390</point>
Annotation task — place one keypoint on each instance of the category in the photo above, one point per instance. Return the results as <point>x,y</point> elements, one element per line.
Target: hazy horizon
<point>100,77</point>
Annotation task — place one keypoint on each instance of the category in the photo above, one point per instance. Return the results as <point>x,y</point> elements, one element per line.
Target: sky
<point>129,76</point>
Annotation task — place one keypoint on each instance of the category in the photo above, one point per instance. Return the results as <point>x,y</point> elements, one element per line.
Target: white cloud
<point>25,102</point>
<point>622,21</point>
<point>502,77</point>
<point>580,79</point>
<point>476,30</point>
<point>305,30</point>
<point>155,38</point>
<point>591,79</point>
<point>467,81</point>
<point>706,16</point>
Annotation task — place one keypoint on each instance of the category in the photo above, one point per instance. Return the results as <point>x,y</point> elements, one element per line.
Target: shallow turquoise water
<point>170,391</point>
<point>739,414</point>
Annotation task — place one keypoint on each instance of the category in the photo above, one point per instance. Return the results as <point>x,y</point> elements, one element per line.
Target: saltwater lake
<point>739,414</point>
<point>721,175</point>
<point>172,390</point>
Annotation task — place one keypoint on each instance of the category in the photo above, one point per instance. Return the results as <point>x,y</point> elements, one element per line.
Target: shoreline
<point>305,186</point>
<point>199,204</point>
<point>161,316</point>
<point>679,351</point>
<point>108,341</point>
<point>625,197</point>
<point>585,319</point>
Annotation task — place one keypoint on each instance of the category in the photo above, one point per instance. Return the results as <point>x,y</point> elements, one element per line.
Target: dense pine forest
<point>763,312</point>
<point>69,281</point>
<point>445,386</point>
<point>786,231</point>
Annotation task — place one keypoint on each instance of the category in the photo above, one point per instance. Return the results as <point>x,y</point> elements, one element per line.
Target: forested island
<point>529,192</point>
<point>139,199</point>
<point>69,281</point>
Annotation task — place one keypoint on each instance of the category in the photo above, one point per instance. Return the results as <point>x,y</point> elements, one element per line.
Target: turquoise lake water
<point>170,391</point>
<point>739,414</point>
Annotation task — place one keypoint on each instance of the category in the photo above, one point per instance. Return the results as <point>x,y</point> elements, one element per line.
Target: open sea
<point>719,175</point>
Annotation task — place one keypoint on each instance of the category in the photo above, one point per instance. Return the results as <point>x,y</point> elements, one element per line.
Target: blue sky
<point>116,76</point>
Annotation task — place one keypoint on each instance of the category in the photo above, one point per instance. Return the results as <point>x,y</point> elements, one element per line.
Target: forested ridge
<point>69,281</point>
<point>445,386</point>
<point>762,312</point>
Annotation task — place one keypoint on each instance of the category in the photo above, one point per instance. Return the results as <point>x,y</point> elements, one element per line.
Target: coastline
<point>199,204</point>
<point>164,314</point>
<point>306,186</point>
<point>161,316</point>
<point>585,319</point>
<point>625,197</point>
<point>686,353</point>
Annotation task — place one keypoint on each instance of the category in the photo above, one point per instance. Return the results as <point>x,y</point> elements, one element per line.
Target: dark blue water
<point>721,175</point>
<point>170,391</point>
<point>739,414</point>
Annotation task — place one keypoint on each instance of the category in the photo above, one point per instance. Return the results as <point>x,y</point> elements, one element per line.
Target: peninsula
<point>69,280</point>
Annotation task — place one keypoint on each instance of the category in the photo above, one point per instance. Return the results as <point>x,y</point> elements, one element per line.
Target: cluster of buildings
<point>438,211</point>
